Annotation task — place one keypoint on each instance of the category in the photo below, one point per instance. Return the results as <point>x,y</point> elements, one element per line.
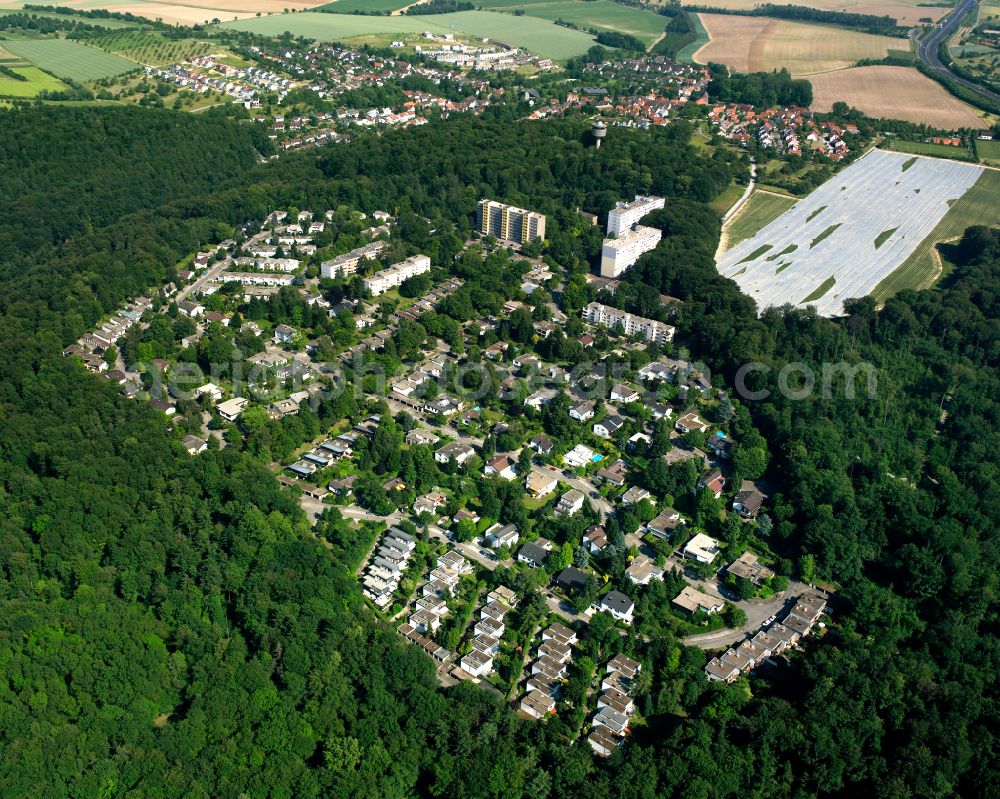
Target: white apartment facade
<point>627,239</point>
<point>618,254</point>
<point>629,324</point>
<point>347,264</point>
<point>390,278</point>
<point>626,215</point>
<point>255,278</point>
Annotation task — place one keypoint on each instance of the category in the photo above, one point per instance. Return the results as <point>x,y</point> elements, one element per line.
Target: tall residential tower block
<point>509,223</point>
<point>627,239</point>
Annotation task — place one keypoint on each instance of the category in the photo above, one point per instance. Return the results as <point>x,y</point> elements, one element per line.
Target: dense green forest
<point>762,89</point>
<point>171,628</point>
<point>104,164</point>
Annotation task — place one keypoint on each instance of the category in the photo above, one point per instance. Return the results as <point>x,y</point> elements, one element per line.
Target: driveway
<point>471,550</point>
<point>563,608</point>
<point>587,487</point>
<point>757,611</point>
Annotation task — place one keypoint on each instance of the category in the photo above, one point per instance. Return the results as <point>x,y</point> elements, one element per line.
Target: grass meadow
<point>69,59</point>
<point>760,210</point>
<point>36,82</point>
<point>530,33</point>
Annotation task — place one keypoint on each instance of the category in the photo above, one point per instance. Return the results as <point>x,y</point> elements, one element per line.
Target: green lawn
<point>531,33</point>
<point>36,81</point>
<point>928,148</point>
<point>989,151</point>
<point>598,14</point>
<point>69,59</point>
<point>728,198</point>
<point>760,210</point>
<point>978,206</point>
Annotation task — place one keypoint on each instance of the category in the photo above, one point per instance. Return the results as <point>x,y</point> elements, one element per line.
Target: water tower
<point>600,130</point>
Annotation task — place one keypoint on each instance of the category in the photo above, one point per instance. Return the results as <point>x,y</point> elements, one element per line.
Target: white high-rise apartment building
<point>625,216</point>
<point>628,240</point>
<point>620,253</point>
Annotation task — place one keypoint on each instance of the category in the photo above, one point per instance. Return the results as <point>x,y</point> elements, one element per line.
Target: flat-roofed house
<point>702,548</point>
<point>692,600</point>
<point>537,704</point>
<point>748,567</point>
<point>477,664</point>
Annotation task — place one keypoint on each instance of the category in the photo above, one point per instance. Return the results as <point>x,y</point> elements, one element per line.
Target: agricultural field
<point>686,54</point>
<point>152,48</point>
<point>729,197</point>
<point>928,148</point>
<point>194,12</point>
<point>978,206</point>
<point>598,14</point>
<point>905,12</point>
<point>762,208</point>
<point>989,151</point>
<point>759,44</point>
<point>69,59</point>
<point>853,232</point>
<point>536,35</point>
<point>887,92</point>
<point>366,6</point>
<point>37,81</point>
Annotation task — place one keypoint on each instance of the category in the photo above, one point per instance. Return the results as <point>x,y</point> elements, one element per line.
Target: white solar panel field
<point>850,233</point>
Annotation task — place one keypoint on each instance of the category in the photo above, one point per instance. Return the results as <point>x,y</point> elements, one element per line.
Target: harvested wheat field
<point>905,13</point>
<point>893,93</point>
<point>194,12</point>
<point>756,44</point>
<point>729,39</point>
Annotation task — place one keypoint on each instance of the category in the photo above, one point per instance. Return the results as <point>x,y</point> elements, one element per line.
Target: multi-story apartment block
<point>390,278</point>
<point>620,253</point>
<point>347,264</point>
<point>629,324</point>
<point>509,223</point>
<point>625,216</point>
<point>627,239</point>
